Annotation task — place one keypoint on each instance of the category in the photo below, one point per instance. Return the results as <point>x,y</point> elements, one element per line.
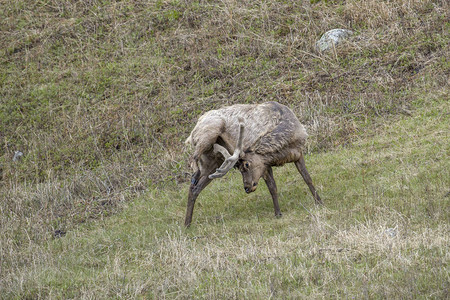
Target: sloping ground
<point>89,84</point>
<point>383,232</point>
<point>100,95</point>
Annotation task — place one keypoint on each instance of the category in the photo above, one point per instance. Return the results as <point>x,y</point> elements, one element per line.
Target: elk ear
<point>243,153</point>
<point>247,151</point>
<point>238,164</point>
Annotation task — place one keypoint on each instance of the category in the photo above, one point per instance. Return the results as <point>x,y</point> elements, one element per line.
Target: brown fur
<point>273,136</point>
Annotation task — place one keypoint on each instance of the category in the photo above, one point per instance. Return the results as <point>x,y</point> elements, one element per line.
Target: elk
<point>260,136</point>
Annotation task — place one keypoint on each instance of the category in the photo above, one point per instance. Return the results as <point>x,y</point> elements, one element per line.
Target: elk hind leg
<point>194,191</point>
<point>301,167</point>
<point>199,181</point>
<point>195,177</point>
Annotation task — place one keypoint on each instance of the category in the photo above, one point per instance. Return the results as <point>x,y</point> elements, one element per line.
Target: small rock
<point>392,232</point>
<point>331,38</point>
<point>17,155</point>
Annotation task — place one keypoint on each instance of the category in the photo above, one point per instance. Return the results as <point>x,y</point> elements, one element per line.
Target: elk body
<point>259,136</point>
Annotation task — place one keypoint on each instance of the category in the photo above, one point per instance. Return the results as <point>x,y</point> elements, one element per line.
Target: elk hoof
<point>278,215</point>
<point>195,177</point>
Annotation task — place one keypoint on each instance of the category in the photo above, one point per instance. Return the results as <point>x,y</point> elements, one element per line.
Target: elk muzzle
<point>250,188</point>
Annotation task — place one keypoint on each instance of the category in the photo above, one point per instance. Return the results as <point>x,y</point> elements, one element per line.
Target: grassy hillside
<point>100,95</point>
<point>383,232</point>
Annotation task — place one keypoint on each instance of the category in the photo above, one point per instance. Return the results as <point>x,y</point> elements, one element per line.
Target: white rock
<point>392,232</point>
<point>17,155</point>
<point>331,38</point>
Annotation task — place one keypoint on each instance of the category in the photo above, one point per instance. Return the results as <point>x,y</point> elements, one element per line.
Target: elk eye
<point>247,165</point>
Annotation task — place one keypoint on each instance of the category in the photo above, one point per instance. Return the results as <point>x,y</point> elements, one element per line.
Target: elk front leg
<point>194,191</point>
<point>270,182</point>
<point>301,167</point>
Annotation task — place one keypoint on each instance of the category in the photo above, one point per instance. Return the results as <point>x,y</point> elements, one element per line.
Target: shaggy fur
<point>271,129</point>
<point>271,136</point>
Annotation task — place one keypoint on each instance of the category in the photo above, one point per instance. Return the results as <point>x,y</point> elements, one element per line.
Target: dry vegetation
<point>100,95</point>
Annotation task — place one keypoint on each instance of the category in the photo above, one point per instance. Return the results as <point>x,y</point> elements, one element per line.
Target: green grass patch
<point>383,231</point>
<point>99,96</point>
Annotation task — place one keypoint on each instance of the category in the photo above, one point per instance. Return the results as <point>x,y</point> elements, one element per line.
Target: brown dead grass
<point>99,96</point>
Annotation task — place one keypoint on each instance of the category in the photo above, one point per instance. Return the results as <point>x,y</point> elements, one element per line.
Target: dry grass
<point>384,232</point>
<point>99,97</point>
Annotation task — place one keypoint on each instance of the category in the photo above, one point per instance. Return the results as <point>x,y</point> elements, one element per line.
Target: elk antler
<point>230,160</point>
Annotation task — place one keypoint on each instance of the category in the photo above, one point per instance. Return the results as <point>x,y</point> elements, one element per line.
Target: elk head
<point>250,164</point>
<point>252,168</point>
